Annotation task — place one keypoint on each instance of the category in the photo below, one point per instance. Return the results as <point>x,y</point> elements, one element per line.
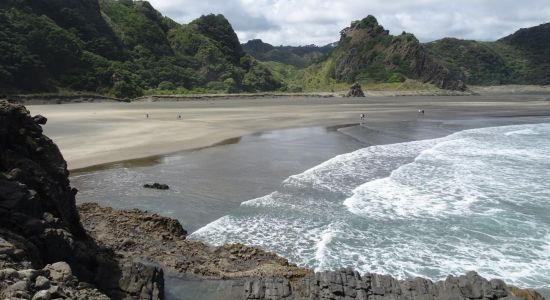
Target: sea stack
<point>355,91</point>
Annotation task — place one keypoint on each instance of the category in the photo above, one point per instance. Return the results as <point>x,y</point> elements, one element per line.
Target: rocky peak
<point>367,52</point>
<point>364,29</point>
<point>218,28</point>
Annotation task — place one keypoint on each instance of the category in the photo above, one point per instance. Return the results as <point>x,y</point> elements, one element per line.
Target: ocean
<point>477,199</point>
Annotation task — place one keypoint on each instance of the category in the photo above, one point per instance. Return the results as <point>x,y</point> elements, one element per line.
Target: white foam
<point>322,247</point>
<point>522,132</point>
<point>475,200</point>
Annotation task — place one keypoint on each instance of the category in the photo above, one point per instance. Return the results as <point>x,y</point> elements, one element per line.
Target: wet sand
<point>90,134</point>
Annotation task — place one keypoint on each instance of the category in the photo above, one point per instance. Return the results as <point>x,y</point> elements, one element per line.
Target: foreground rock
<point>39,225</point>
<point>348,284</point>
<point>54,281</point>
<point>138,234</point>
<point>355,91</point>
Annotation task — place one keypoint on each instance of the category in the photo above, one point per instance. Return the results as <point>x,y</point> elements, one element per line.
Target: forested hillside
<point>119,47</point>
<point>520,58</point>
<point>300,56</point>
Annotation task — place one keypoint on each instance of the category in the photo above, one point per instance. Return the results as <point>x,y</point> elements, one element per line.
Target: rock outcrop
<point>348,284</point>
<point>367,51</point>
<point>156,186</point>
<point>39,223</point>
<point>141,235</point>
<point>355,91</point>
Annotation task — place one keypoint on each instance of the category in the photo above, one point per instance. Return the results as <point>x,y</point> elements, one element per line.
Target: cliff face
<point>39,223</point>
<point>367,52</point>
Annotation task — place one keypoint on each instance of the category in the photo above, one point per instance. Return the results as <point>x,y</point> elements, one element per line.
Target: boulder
<point>355,91</point>
<point>60,271</point>
<point>42,283</point>
<point>157,186</point>
<point>42,295</point>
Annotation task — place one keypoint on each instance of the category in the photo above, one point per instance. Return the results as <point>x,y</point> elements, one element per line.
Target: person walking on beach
<point>147,116</point>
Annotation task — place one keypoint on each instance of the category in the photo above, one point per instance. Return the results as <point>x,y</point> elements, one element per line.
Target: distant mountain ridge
<point>300,56</point>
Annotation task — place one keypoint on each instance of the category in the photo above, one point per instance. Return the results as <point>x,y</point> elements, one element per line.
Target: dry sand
<point>95,133</point>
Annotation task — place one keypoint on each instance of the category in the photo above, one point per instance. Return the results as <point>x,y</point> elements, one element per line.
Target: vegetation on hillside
<point>520,58</point>
<point>367,53</point>
<point>300,57</point>
<point>121,48</point>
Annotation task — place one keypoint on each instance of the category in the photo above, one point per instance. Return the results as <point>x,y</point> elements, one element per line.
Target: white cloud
<point>300,22</point>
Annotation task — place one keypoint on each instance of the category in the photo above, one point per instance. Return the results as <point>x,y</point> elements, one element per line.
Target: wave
<point>474,200</point>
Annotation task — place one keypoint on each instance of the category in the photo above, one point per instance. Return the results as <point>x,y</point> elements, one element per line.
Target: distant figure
<point>363,117</point>
<point>179,117</point>
<point>421,111</point>
<point>147,116</point>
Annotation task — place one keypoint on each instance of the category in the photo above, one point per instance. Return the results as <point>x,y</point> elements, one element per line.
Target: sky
<point>304,22</point>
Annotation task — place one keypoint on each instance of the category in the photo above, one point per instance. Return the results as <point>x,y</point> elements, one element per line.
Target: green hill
<point>119,47</point>
<point>520,58</point>
<point>367,52</point>
<point>301,56</point>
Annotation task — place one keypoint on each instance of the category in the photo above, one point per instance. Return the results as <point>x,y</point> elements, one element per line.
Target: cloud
<point>300,22</point>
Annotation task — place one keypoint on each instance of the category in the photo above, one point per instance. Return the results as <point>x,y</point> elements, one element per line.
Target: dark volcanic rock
<point>135,233</point>
<point>156,186</point>
<point>355,91</point>
<point>39,223</point>
<point>348,284</point>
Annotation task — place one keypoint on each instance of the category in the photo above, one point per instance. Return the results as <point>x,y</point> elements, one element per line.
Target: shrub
<point>167,86</point>
<point>123,89</point>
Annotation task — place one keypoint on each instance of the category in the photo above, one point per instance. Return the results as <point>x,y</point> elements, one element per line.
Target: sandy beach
<point>90,134</point>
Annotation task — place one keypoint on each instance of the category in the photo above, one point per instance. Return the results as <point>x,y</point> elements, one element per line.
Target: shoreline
<point>82,97</point>
<point>157,158</point>
<point>91,134</point>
